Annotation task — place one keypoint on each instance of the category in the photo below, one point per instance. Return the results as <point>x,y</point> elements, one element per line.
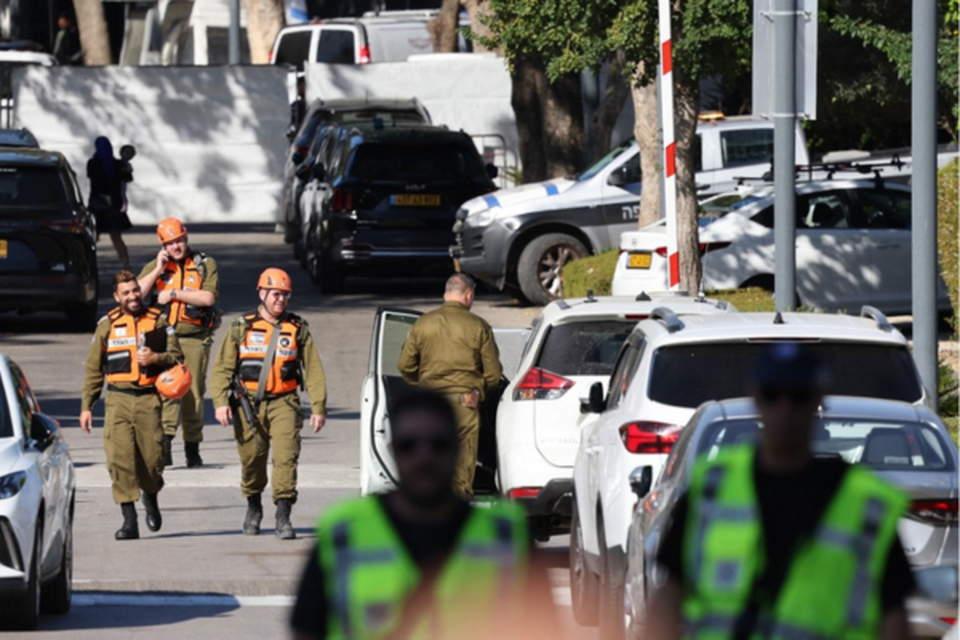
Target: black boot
<point>192,449</point>
<point>130,529</point>
<point>168,451</point>
<point>251,522</point>
<point>153,517</point>
<point>284,530</point>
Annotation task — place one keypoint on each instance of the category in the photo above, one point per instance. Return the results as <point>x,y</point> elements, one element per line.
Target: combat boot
<point>284,530</point>
<point>130,529</point>
<point>168,451</point>
<point>153,517</point>
<point>251,522</point>
<point>192,449</point>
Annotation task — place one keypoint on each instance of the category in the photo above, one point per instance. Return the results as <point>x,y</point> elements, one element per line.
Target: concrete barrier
<point>210,140</point>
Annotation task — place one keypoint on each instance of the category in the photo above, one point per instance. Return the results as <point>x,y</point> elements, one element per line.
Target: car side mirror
<point>641,479</point>
<point>319,172</point>
<point>595,402</point>
<point>618,178</point>
<point>291,133</point>
<point>42,433</point>
<point>297,157</point>
<point>492,171</point>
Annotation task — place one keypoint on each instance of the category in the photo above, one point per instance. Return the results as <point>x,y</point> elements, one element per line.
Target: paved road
<point>199,576</point>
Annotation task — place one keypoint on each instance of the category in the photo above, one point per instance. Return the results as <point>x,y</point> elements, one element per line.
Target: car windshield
<point>422,162</point>
<point>587,348</point>
<point>880,444</point>
<point>30,187</point>
<point>604,161</point>
<point>6,426</point>
<point>688,375</point>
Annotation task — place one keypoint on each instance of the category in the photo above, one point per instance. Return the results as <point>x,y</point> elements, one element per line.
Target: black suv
<point>48,258</point>
<point>394,192</point>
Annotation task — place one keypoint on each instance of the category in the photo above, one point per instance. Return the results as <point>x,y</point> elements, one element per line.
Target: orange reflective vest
<point>125,337</point>
<point>185,277</point>
<point>285,369</point>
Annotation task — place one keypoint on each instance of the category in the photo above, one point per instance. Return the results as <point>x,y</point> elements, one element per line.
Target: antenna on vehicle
<point>777,318</point>
<point>642,297</point>
<point>590,297</point>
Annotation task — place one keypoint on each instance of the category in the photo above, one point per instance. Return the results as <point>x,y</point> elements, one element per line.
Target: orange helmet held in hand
<point>274,278</point>
<point>175,382</point>
<point>170,229</point>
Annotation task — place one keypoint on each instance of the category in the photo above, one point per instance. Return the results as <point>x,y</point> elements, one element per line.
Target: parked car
<point>21,138</point>
<point>667,368</point>
<point>383,384</point>
<point>37,489</point>
<point>393,194</point>
<point>321,115</point>
<point>48,257</point>
<point>573,344</point>
<point>904,444</point>
<point>852,247</point>
<point>519,239</point>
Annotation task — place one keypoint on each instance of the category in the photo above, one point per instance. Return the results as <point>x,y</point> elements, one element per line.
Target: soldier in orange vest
<point>125,352</point>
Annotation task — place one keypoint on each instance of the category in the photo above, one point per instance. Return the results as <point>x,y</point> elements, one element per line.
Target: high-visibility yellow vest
<point>370,576</point>
<point>832,587</point>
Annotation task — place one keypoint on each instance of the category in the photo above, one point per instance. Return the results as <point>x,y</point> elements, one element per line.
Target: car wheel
<point>22,612</point>
<point>55,597</point>
<point>584,585</point>
<point>83,317</point>
<point>541,261</point>
<point>611,595</point>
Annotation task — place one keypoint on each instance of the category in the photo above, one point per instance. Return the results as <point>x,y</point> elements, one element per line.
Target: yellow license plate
<point>3,248</point>
<point>415,200</point>
<point>639,261</point>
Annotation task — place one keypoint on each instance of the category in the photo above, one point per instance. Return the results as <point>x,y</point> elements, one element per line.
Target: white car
<point>852,247</point>
<point>574,344</point>
<point>36,507</point>
<point>668,367</point>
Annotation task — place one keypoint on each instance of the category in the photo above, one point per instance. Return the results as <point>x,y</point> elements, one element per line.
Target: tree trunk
<point>264,20</point>
<point>476,9</point>
<point>527,85</point>
<point>611,104</point>
<point>646,128</point>
<point>443,28</point>
<point>563,126</point>
<point>94,38</point>
<point>686,101</point>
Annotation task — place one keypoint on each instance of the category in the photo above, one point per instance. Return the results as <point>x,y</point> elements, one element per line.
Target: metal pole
<point>924,199</point>
<point>784,153</point>
<point>233,42</point>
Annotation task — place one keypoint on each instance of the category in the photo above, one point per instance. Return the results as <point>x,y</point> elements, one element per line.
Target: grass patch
<point>951,424</point>
<point>594,272</point>
<point>948,230</point>
<point>748,299</point>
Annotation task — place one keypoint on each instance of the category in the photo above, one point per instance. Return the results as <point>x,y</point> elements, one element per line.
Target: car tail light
<point>364,55</point>
<point>68,225</point>
<point>950,621</point>
<point>936,512</point>
<point>540,384</point>
<point>342,200</point>
<point>705,247</point>
<point>523,492</point>
<point>649,437</point>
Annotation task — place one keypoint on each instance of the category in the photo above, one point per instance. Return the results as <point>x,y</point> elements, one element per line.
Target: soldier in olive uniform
<point>452,351</point>
<point>269,353</point>
<point>132,434</point>
<point>186,283</point>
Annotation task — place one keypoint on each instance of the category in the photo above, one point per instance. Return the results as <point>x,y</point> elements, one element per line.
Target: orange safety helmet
<point>274,278</point>
<point>170,229</point>
<point>175,382</point>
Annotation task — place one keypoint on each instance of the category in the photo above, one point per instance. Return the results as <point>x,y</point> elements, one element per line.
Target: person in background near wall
<point>106,197</point>
<point>127,153</point>
<point>66,48</point>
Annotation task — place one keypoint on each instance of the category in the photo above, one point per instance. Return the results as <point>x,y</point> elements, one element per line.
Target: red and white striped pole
<point>669,146</point>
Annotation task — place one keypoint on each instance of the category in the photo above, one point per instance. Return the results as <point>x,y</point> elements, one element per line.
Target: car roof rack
<point>867,311</point>
<point>669,319</point>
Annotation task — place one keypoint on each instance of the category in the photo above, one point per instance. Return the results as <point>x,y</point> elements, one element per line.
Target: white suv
<point>573,344</point>
<point>667,368</point>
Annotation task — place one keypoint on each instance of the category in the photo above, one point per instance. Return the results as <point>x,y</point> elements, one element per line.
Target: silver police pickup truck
<point>519,239</point>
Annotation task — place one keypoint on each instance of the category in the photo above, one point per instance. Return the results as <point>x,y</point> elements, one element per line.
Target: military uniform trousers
<point>281,419</point>
<point>189,409</point>
<point>133,442</point>
<point>468,429</point>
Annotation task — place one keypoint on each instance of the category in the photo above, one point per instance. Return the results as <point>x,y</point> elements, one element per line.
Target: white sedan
<point>36,507</point>
<point>852,247</point>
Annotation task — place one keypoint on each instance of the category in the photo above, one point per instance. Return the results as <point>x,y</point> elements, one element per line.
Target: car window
<point>623,373</point>
<point>26,403</point>
<point>828,210</point>
<point>336,47</point>
<point>584,348</point>
<point>882,445</point>
<point>631,170</point>
<point>6,423</point>
<point>697,153</point>
<point>533,337</point>
<point>688,375</point>
<point>294,48</point>
<point>31,187</point>
<point>400,162</point>
<point>606,160</point>
<point>746,146</point>
<point>883,209</point>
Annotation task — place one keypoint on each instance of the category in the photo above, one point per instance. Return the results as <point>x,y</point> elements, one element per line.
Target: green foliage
<point>592,273</point>
<point>949,400</point>
<point>948,232</point>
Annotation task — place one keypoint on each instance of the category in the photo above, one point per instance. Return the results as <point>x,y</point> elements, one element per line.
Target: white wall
<point>210,140</point>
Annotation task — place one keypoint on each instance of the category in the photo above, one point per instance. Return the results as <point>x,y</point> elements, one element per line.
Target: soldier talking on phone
<point>453,352</point>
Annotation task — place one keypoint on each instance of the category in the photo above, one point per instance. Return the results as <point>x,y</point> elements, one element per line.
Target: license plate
<point>3,249</point>
<point>639,261</point>
<point>415,200</point>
